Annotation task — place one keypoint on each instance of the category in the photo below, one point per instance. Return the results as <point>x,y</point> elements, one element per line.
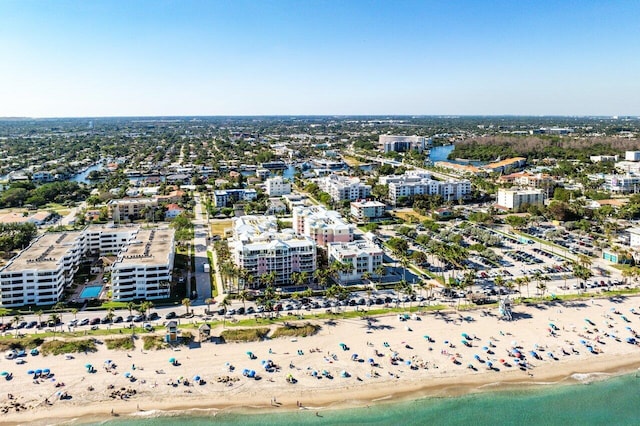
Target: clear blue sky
<point>237,57</point>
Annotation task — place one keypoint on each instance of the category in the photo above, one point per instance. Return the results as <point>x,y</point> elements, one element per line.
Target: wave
<point>587,378</point>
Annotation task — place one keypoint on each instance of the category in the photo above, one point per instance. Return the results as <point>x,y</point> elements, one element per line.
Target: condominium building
<point>221,198</point>
<point>366,210</point>
<point>277,186</point>
<point>412,184</point>
<point>258,248</point>
<point>516,199</point>
<point>40,272</point>
<point>622,183</point>
<point>104,240</point>
<point>342,188</point>
<point>321,225</point>
<point>144,266</point>
<point>389,143</point>
<point>130,208</point>
<point>363,256</point>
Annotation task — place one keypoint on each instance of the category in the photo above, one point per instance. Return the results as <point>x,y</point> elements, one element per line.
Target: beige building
<point>516,199</point>
<point>126,209</point>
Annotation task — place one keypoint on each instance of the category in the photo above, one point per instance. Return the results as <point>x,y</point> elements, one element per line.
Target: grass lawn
<point>351,161</point>
<point>410,215</point>
<point>218,226</point>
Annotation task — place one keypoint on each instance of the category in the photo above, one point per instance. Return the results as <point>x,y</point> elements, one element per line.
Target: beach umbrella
<point>4,373</point>
<point>502,361</point>
<point>408,362</point>
<point>517,360</point>
<point>489,364</point>
<point>514,344</point>
<point>477,357</point>
<point>173,360</point>
<point>446,342</point>
<point>127,374</point>
<point>484,348</point>
<point>38,371</point>
<point>196,378</point>
<point>465,335</point>
<point>583,342</point>
<point>551,355</point>
<point>108,361</point>
<point>30,372</point>
<point>46,371</point>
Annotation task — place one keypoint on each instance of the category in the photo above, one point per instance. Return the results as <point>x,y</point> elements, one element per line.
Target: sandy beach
<point>395,359</point>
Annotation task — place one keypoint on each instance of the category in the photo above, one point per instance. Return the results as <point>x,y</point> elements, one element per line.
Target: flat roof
<point>149,247</point>
<point>44,253</point>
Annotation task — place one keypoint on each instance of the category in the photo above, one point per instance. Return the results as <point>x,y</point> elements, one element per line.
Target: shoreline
<point>454,386</point>
<point>397,382</point>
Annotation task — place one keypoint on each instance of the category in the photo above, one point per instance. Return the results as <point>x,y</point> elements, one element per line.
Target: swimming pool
<point>91,292</point>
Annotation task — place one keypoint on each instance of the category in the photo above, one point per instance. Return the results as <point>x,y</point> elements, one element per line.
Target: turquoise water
<point>90,292</point>
<point>610,402</point>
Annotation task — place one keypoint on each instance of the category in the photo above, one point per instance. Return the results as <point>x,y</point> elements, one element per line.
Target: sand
<point>434,371</point>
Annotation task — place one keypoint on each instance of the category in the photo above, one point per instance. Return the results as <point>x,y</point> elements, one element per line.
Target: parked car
<point>170,315</point>
<point>85,321</point>
<point>118,319</point>
<point>94,321</point>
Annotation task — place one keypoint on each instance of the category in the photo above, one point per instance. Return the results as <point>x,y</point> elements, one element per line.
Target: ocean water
<point>615,401</point>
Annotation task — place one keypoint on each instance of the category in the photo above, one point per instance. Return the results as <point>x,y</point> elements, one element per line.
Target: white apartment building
<point>277,186</point>
<point>144,266</point>
<point>223,197</point>
<point>412,184</point>
<point>363,256</point>
<point>366,210</point>
<point>321,225</point>
<point>39,273</point>
<point>515,199</point>
<point>623,184</point>
<point>104,240</point>
<point>343,188</point>
<point>632,155</point>
<point>389,143</point>
<point>259,248</point>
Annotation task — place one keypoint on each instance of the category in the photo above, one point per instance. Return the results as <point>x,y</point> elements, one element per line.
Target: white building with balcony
<point>258,248</point>
<point>415,183</point>
<point>363,256</point>
<point>344,188</point>
<point>144,266</point>
<point>516,199</point>
<point>39,274</point>
<point>321,225</point>
<point>277,186</point>
<point>366,210</point>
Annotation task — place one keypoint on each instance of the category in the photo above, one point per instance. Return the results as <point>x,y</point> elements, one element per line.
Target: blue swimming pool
<point>91,292</point>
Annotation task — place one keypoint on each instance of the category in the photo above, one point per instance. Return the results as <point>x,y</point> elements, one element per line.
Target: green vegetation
<point>16,235</point>
<point>27,193</point>
<point>121,344</point>
<point>21,343</point>
<point>60,347</point>
<point>150,342</point>
<point>244,334</point>
<point>295,330</point>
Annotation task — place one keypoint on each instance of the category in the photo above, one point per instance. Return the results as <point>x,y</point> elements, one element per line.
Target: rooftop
<point>44,253</point>
<point>150,246</point>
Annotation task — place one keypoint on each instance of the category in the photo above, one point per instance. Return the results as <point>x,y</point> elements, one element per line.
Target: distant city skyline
<point>74,58</point>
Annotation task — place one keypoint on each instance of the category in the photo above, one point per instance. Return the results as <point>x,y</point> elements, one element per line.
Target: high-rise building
<point>321,225</point>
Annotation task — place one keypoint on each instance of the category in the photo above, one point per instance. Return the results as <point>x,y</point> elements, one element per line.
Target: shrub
<point>244,334</point>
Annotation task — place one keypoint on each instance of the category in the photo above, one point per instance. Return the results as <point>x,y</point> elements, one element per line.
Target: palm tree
<point>322,276</point>
<point>209,301</point>
<point>526,280</point>
<point>243,295</point>
<point>186,302</point>
<point>74,311</point>
<point>39,313</point>
<point>3,313</point>
<point>366,276</point>
<point>17,320</point>
<point>225,304</point>
<point>54,318</point>
<point>110,314</point>
<point>131,306</point>
<point>380,272</point>
<point>404,262</point>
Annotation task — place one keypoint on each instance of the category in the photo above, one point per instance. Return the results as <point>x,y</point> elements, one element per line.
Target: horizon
<point>319,58</point>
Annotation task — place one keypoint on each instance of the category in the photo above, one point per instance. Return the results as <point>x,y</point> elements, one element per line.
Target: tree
<point>54,318</point>
<point>131,306</point>
<point>322,277</point>
<point>243,295</point>
<point>74,311</point>
<point>209,301</point>
<point>225,305</point>
<point>380,272</point>
<point>3,313</point>
<point>186,302</point>
<point>17,320</point>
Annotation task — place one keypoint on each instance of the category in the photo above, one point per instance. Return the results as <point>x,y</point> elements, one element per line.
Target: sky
<point>90,58</point>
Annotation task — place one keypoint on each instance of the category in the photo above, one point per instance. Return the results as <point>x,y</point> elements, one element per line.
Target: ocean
<point>614,401</point>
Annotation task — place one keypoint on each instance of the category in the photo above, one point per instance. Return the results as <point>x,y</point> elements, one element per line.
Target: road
<point>201,234</point>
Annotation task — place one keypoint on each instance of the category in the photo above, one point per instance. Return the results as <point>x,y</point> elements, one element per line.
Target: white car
<point>20,361</point>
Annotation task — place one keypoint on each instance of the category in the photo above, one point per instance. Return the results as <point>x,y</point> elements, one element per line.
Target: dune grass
<point>244,334</point>
<point>59,347</point>
<point>29,342</point>
<point>150,342</point>
<point>120,343</point>
<point>295,330</point>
